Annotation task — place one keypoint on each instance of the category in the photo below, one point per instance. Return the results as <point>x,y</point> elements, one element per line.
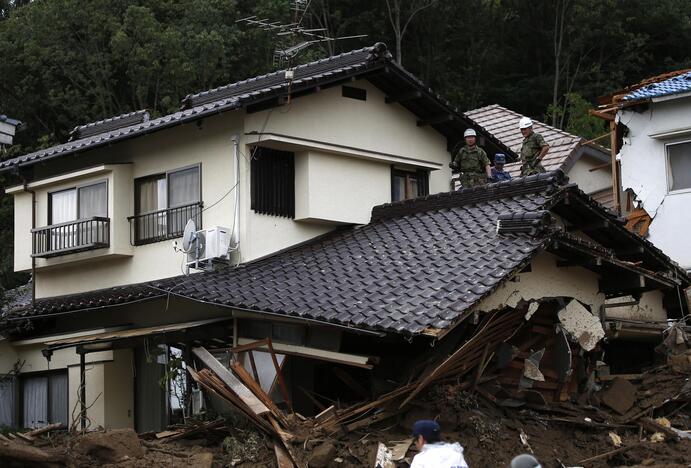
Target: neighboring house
<point>360,300</point>
<point>653,123</point>
<point>8,128</point>
<point>584,163</point>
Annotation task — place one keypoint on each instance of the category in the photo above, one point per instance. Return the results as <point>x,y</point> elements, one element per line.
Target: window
<point>78,203</point>
<point>273,182</point>
<point>44,399</point>
<point>406,184</point>
<point>164,203</point>
<point>679,163</point>
<point>354,93</point>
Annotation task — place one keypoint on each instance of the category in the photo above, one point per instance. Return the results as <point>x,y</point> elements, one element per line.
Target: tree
<point>400,19</point>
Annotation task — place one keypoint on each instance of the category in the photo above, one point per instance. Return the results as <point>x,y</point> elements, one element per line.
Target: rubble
<point>510,386</point>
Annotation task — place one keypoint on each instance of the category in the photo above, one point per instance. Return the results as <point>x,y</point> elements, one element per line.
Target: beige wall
<point>649,308</point>
<point>547,280</point>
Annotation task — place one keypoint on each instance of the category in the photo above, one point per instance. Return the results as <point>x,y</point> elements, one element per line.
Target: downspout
<point>25,188</point>
<point>236,185</point>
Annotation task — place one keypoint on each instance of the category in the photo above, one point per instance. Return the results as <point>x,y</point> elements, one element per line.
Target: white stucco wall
<point>338,188</point>
<point>644,170</point>
<point>649,308</point>
<point>589,181</point>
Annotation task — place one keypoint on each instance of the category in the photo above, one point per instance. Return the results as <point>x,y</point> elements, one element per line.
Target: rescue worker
<point>433,452</point>
<point>472,162</point>
<point>533,149</point>
<point>498,172</point>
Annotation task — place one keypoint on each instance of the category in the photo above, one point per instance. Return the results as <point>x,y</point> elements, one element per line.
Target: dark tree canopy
<point>68,62</point>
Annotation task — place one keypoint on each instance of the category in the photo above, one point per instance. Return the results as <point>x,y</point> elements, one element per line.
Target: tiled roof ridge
<point>378,50</point>
<point>547,181</point>
<point>109,124</point>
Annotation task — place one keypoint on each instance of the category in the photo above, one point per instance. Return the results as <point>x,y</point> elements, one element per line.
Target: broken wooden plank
<point>183,434</point>
<point>44,429</point>
<point>606,454</point>
<point>231,381</point>
<point>326,415</point>
<point>256,388</point>
<point>25,437</point>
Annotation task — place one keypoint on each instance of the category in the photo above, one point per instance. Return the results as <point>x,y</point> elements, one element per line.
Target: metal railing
<point>165,224</point>
<point>70,237</point>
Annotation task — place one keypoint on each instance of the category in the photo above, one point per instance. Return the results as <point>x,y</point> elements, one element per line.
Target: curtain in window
<point>63,206</point>
<point>58,398</point>
<point>93,201</point>
<point>35,401</point>
<point>680,166</point>
<point>183,187</point>
<point>6,401</point>
<point>151,193</point>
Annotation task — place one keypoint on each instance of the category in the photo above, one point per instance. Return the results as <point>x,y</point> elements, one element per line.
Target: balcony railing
<point>163,224</point>
<point>70,237</point>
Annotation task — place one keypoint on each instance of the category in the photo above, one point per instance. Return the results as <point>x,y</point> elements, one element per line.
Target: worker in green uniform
<point>533,149</point>
<point>471,162</point>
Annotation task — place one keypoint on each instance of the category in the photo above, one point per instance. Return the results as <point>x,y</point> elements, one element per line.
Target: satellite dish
<point>189,235</point>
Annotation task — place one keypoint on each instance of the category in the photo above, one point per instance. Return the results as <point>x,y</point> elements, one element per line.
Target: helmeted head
<point>426,431</point>
<point>525,125</point>
<point>499,161</point>
<point>525,461</point>
<point>470,137</point>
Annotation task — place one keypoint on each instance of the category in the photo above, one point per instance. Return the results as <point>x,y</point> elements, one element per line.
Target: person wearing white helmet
<point>533,149</point>
<point>525,461</point>
<point>471,162</point>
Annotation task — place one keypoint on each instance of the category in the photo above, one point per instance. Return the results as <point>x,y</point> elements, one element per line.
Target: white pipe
<point>236,184</point>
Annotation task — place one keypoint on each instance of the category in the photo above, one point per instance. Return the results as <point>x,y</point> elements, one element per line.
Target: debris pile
<point>525,379</point>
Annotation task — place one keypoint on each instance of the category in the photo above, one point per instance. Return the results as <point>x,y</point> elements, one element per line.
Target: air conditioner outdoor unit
<point>209,244</point>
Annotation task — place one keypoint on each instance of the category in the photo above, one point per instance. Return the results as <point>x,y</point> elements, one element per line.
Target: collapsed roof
<point>420,265</point>
<point>373,63</point>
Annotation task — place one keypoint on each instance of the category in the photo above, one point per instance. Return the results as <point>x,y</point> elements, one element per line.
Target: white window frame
<point>668,168</point>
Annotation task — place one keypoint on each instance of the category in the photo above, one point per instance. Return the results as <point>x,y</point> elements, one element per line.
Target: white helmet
<point>469,132</point>
<point>525,122</point>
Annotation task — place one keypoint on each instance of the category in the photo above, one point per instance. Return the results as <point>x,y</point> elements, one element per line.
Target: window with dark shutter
<point>407,184</point>
<point>273,182</point>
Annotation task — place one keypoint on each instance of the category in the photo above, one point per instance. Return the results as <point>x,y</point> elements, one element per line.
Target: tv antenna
<point>301,37</point>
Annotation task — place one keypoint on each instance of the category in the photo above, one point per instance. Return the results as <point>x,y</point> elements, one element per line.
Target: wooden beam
<point>615,170</point>
<point>409,96</point>
<point>622,283</point>
<point>437,119</point>
<point>632,251</point>
<point>602,115</point>
<point>590,262</point>
<point>230,380</point>
<point>602,224</point>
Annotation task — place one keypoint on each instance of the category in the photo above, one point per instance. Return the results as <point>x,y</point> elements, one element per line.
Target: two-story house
<point>291,165</point>
<point>653,133</point>
<point>277,159</point>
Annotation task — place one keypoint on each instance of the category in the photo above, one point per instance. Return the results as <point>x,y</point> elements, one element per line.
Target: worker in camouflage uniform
<point>471,162</point>
<point>533,149</point>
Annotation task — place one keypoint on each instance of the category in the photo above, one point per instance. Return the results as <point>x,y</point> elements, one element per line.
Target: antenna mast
<point>301,38</point>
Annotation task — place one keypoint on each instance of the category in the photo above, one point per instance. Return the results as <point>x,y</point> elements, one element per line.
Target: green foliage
<point>67,62</point>
<point>576,119</point>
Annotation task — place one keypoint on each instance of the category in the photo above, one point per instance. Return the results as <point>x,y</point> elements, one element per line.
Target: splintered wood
<point>241,391</point>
